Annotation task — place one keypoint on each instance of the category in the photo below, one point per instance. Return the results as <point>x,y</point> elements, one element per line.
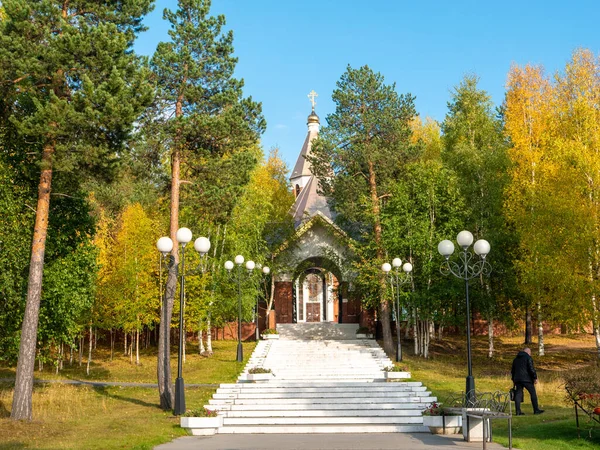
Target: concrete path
<point>365,441</point>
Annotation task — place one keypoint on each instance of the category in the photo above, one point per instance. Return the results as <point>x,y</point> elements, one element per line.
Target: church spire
<point>308,201</point>
<point>313,119</point>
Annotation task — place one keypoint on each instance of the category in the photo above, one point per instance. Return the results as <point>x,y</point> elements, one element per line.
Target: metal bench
<point>486,406</point>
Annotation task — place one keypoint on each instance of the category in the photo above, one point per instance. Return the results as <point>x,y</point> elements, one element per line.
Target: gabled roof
<point>306,226</point>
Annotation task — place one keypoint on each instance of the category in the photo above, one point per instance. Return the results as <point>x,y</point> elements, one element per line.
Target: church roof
<point>309,202</point>
<point>302,167</point>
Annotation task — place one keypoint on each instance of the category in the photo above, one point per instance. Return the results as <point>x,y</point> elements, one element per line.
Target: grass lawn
<point>82,417</point>
<point>444,373</point>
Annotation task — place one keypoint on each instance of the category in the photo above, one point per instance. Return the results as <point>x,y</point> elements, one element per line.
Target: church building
<point>315,282</point>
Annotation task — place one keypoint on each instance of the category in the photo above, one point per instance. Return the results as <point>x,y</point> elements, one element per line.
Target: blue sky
<point>286,48</point>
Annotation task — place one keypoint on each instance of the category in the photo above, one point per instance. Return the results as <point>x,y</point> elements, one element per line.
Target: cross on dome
<point>312,97</point>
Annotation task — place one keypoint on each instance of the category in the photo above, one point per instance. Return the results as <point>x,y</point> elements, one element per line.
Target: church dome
<point>313,118</point>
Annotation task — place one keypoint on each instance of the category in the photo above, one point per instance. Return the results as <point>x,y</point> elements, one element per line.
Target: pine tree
<point>75,89</point>
<point>364,146</point>
<point>201,112</point>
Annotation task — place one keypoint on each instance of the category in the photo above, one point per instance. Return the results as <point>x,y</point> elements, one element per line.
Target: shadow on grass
<point>4,412</point>
<point>105,391</point>
<point>559,434</point>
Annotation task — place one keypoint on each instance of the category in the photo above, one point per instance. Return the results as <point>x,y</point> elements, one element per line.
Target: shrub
<point>259,370</point>
<point>270,331</point>
<point>200,412</point>
<point>395,369</point>
<point>435,409</point>
<point>362,330</point>
<point>583,386</point>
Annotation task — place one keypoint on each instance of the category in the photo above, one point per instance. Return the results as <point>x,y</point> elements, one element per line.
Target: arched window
<point>297,190</point>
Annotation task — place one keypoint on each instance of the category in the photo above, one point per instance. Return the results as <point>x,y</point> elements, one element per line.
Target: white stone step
<point>288,401</point>
<point>267,389</point>
<point>308,395</point>
<point>330,429</point>
<point>323,385</point>
<point>322,420</point>
<point>320,385</point>
<point>324,413</point>
<point>319,406</point>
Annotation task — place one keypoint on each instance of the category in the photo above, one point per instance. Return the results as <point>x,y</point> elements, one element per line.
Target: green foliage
<point>254,370</point>
<point>200,412</point>
<point>73,71</point>
<point>14,255</point>
<point>369,128</point>
<point>476,149</point>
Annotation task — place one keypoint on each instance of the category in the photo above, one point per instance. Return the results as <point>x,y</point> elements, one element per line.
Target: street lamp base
<point>240,352</point>
<point>470,389</point>
<point>179,397</point>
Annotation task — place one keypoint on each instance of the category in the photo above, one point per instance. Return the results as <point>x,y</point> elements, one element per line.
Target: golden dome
<point>313,118</point>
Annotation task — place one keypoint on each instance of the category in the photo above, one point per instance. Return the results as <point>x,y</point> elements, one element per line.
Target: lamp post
<point>165,245</point>
<point>250,265</point>
<point>398,279</point>
<point>466,270</point>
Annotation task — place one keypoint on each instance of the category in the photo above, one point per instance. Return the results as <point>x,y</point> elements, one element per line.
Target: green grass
<point>219,368</point>
<point>444,373</point>
<point>78,417</point>
<point>75,417</point>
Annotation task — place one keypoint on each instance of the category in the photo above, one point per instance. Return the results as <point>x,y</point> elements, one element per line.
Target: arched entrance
<point>316,296</point>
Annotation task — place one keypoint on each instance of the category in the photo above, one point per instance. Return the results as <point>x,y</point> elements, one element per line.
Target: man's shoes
<point>539,411</point>
<point>519,413</point>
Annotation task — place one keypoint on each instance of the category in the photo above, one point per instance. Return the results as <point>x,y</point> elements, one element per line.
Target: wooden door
<point>313,312</point>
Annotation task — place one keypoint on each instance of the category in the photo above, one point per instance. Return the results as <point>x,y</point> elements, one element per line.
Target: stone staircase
<point>320,385</point>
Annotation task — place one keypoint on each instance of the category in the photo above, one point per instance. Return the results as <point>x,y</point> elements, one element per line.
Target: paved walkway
<point>365,441</point>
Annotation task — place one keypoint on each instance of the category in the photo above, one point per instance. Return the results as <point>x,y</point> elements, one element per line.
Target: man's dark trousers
<point>519,397</point>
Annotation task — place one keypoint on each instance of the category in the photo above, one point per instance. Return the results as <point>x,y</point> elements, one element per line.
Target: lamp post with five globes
<point>399,280</point>
<point>466,270</point>
<point>165,245</point>
<point>250,265</point>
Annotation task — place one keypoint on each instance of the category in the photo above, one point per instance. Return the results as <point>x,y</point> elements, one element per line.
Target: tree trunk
<point>384,305</point>
<point>165,388</point>
<point>21,405</point>
<point>58,360</point>
<point>112,343</point>
<point>80,349</point>
<point>528,326</point>
<point>201,342</point>
<point>490,337</point>
<point>87,370</point>
<point>270,302</point>
<point>124,343</point>
<point>416,331</point>
<point>540,330</point>
<point>209,348</point>
<point>596,324</point>
<point>137,347</point>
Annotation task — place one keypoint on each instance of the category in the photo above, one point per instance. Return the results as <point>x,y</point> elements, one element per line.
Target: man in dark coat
<point>523,376</point>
